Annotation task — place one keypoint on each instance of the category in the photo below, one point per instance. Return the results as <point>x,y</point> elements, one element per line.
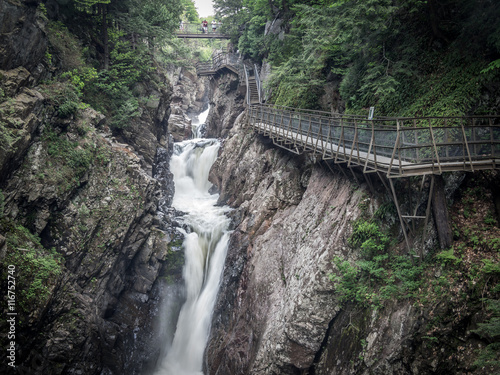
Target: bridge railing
<point>219,59</point>
<point>197,29</point>
<point>396,146</point>
<point>246,83</point>
<point>204,68</point>
<point>257,80</point>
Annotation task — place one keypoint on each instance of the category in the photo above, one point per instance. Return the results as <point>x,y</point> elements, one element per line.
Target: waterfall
<point>205,247</point>
<point>198,123</point>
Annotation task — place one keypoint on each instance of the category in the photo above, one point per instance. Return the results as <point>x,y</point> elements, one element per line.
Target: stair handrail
<point>246,81</point>
<point>257,79</point>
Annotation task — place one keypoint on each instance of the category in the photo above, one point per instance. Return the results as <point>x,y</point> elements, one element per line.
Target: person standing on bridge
<point>214,26</point>
<point>205,26</point>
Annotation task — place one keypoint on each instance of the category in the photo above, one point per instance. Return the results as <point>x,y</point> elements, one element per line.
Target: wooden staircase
<point>253,90</point>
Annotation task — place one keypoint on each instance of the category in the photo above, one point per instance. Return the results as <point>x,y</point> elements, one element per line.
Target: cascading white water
<point>198,123</point>
<point>205,252</point>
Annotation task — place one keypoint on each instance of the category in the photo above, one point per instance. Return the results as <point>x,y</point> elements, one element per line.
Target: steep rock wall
<point>189,98</point>
<point>227,101</point>
<point>84,215</point>
<point>23,39</point>
<point>276,299</point>
<point>97,205</point>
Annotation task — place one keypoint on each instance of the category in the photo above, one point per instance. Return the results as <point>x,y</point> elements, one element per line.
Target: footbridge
<point>394,146</point>
<point>389,147</point>
<point>196,31</point>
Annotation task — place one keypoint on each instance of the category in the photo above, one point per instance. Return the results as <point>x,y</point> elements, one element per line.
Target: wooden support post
<point>428,209</point>
<point>369,183</point>
<point>354,175</point>
<point>383,178</point>
<point>440,211</point>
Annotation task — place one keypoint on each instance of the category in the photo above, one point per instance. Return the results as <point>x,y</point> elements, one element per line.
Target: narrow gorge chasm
<point>146,228</point>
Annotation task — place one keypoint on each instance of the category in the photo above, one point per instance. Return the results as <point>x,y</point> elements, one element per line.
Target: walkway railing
<point>220,59</point>
<point>398,147</point>
<point>195,30</point>
<point>257,80</point>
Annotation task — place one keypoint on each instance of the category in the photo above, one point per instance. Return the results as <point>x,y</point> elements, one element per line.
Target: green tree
<point>90,6</point>
<point>152,21</point>
<point>383,52</point>
<point>190,13</point>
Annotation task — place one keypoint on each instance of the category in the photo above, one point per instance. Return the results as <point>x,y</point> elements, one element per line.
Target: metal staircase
<point>249,76</point>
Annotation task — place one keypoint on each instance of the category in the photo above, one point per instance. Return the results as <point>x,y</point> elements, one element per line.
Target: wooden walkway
<point>398,147</point>
<point>390,147</point>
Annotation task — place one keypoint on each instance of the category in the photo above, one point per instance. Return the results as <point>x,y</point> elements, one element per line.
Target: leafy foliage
<point>405,57</point>
<point>64,96</point>
<point>190,14</point>
<point>124,36</point>
<point>378,276</point>
<point>8,135</point>
<point>448,257</point>
<point>37,268</point>
<point>69,160</point>
<point>490,330</point>
<point>150,20</point>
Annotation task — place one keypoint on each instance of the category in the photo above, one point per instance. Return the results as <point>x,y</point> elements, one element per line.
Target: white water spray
<point>198,123</point>
<point>205,249</point>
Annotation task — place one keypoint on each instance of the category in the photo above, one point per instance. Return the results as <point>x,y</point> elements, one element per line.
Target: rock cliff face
<point>276,300</point>
<point>278,312</point>
<point>85,218</point>
<point>227,102</point>
<point>190,97</point>
<point>22,36</point>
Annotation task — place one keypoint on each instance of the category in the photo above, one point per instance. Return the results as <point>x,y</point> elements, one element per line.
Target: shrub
<point>36,268</point>
<point>448,257</point>
<point>488,357</point>
<point>378,276</point>
<point>64,96</point>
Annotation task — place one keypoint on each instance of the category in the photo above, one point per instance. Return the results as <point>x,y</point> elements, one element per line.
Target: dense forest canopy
<point>427,57</point>
<point>104,48</point>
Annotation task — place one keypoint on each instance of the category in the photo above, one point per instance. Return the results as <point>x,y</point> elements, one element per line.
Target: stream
<point>205,247</point>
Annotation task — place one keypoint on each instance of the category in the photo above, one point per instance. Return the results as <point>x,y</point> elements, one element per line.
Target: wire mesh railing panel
<point>383,143</point>
<point>364,138</point>
<point>197,28</point>
<point>396,145</point>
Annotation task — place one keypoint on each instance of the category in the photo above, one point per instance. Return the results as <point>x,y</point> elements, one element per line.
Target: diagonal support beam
<point>401,221</point>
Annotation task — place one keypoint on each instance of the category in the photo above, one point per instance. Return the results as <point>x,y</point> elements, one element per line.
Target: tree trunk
<point>434,20</point>
<point>104,35</point>
<point>440,212</point>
